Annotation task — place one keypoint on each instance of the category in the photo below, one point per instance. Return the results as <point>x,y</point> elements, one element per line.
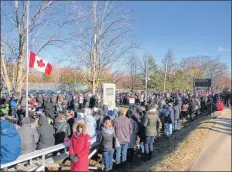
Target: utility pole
<point>146,77</point>
<point>13,77</point>
<point>95,46</point>
<point>165,75</point>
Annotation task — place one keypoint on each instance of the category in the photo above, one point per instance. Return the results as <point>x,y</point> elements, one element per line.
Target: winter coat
<point>193,107</point>
<point>80,146</point>
<point>177,111</point>
<point>62,130</point>
<point>32,102</point>
<point>107,140</point>
<point>161,103</point>
<point>123,129</point>
<point>29,138</point>
<point>71,122</point>
<point>151,123</point>
<point>171,114</point>
<point>142,129</point>
<point>10,142</point>
<point>99,118</point>
<point>92,125</point>
<point>133,137</point>
<point>105,109</point>
<point>31,116</point>
<point>39,99</point>
<point>131,111</point>
<point>49,109</point>
<point>75,104</point>
<point>13,103</point>
<point>46,133</point>
<point>5,110</point>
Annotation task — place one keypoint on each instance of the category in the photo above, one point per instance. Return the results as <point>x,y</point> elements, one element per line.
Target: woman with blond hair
<point>59,102</point>
<point>79,147</point>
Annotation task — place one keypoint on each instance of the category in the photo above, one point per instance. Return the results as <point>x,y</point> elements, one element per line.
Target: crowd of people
<point>82,121</point>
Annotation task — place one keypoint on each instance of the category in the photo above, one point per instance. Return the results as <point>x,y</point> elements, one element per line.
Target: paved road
<point>216,154</point>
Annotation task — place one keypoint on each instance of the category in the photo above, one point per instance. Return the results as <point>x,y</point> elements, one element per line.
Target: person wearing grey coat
<point>29,136</point>
<point>152,124</point>
<point>177,111</point>
<point>46,133</point>
<point>62,129</point>
<point>108,142</point>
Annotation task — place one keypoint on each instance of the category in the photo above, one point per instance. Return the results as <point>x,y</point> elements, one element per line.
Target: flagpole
<point>27,59</point>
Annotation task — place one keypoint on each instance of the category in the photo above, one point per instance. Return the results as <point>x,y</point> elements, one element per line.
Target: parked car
<point>41,92</point>
<point>50,92</point>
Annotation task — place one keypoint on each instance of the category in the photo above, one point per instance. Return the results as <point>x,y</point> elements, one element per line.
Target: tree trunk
<point>4,73</point>
<point>20,73</point>
<point>95,47</point>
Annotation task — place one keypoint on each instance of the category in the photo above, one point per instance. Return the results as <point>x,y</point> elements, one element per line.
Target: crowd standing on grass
<point>82,121</point>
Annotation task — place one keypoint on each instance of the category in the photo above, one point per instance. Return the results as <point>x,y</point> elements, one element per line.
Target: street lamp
<point>146,78</point>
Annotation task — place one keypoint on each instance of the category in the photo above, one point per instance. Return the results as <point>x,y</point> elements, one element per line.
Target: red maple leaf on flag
<point>40,63</point>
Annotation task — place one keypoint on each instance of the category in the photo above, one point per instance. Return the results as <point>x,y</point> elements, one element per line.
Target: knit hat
<point>148,107</point>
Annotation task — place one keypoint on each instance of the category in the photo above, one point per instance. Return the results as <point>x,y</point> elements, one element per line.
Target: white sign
<point>132,100</point>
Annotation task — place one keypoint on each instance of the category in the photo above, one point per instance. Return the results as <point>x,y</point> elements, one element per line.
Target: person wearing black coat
<point>46,133</point>
<point>131,111</point>
<point>141,133</point>
<point>49,109</point>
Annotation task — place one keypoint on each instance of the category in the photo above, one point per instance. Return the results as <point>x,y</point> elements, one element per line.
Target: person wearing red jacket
<point>79,147</point>
<point>220,105</point>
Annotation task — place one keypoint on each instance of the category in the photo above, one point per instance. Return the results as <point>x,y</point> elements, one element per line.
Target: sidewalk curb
<point>191,164</point>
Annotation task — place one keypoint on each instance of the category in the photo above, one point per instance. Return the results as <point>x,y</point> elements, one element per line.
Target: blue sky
<point>188,28</point>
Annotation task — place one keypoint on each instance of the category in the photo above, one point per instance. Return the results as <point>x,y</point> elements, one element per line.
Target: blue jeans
<point>168,129</point>
<point>122,149</point>
<point>108,158</point>
<point>149,141</point>
<point>176,124</point>
<point>142,147</point>
<point>14,112</point>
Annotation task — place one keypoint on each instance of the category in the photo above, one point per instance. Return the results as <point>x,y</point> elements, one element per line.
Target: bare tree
<point>169,64</point>
<point>211,66</point>
<point>215,69</point>
<point>102,39</point>
<point>44,31</point>
<point>133,65</point>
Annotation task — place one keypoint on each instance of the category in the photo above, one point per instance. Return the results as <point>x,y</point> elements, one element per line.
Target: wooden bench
<point>41,164</point>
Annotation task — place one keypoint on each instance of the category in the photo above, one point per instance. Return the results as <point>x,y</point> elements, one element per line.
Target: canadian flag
<point>40,64</point>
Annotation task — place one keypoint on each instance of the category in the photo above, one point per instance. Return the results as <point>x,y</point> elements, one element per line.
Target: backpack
<point>167,117</point>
